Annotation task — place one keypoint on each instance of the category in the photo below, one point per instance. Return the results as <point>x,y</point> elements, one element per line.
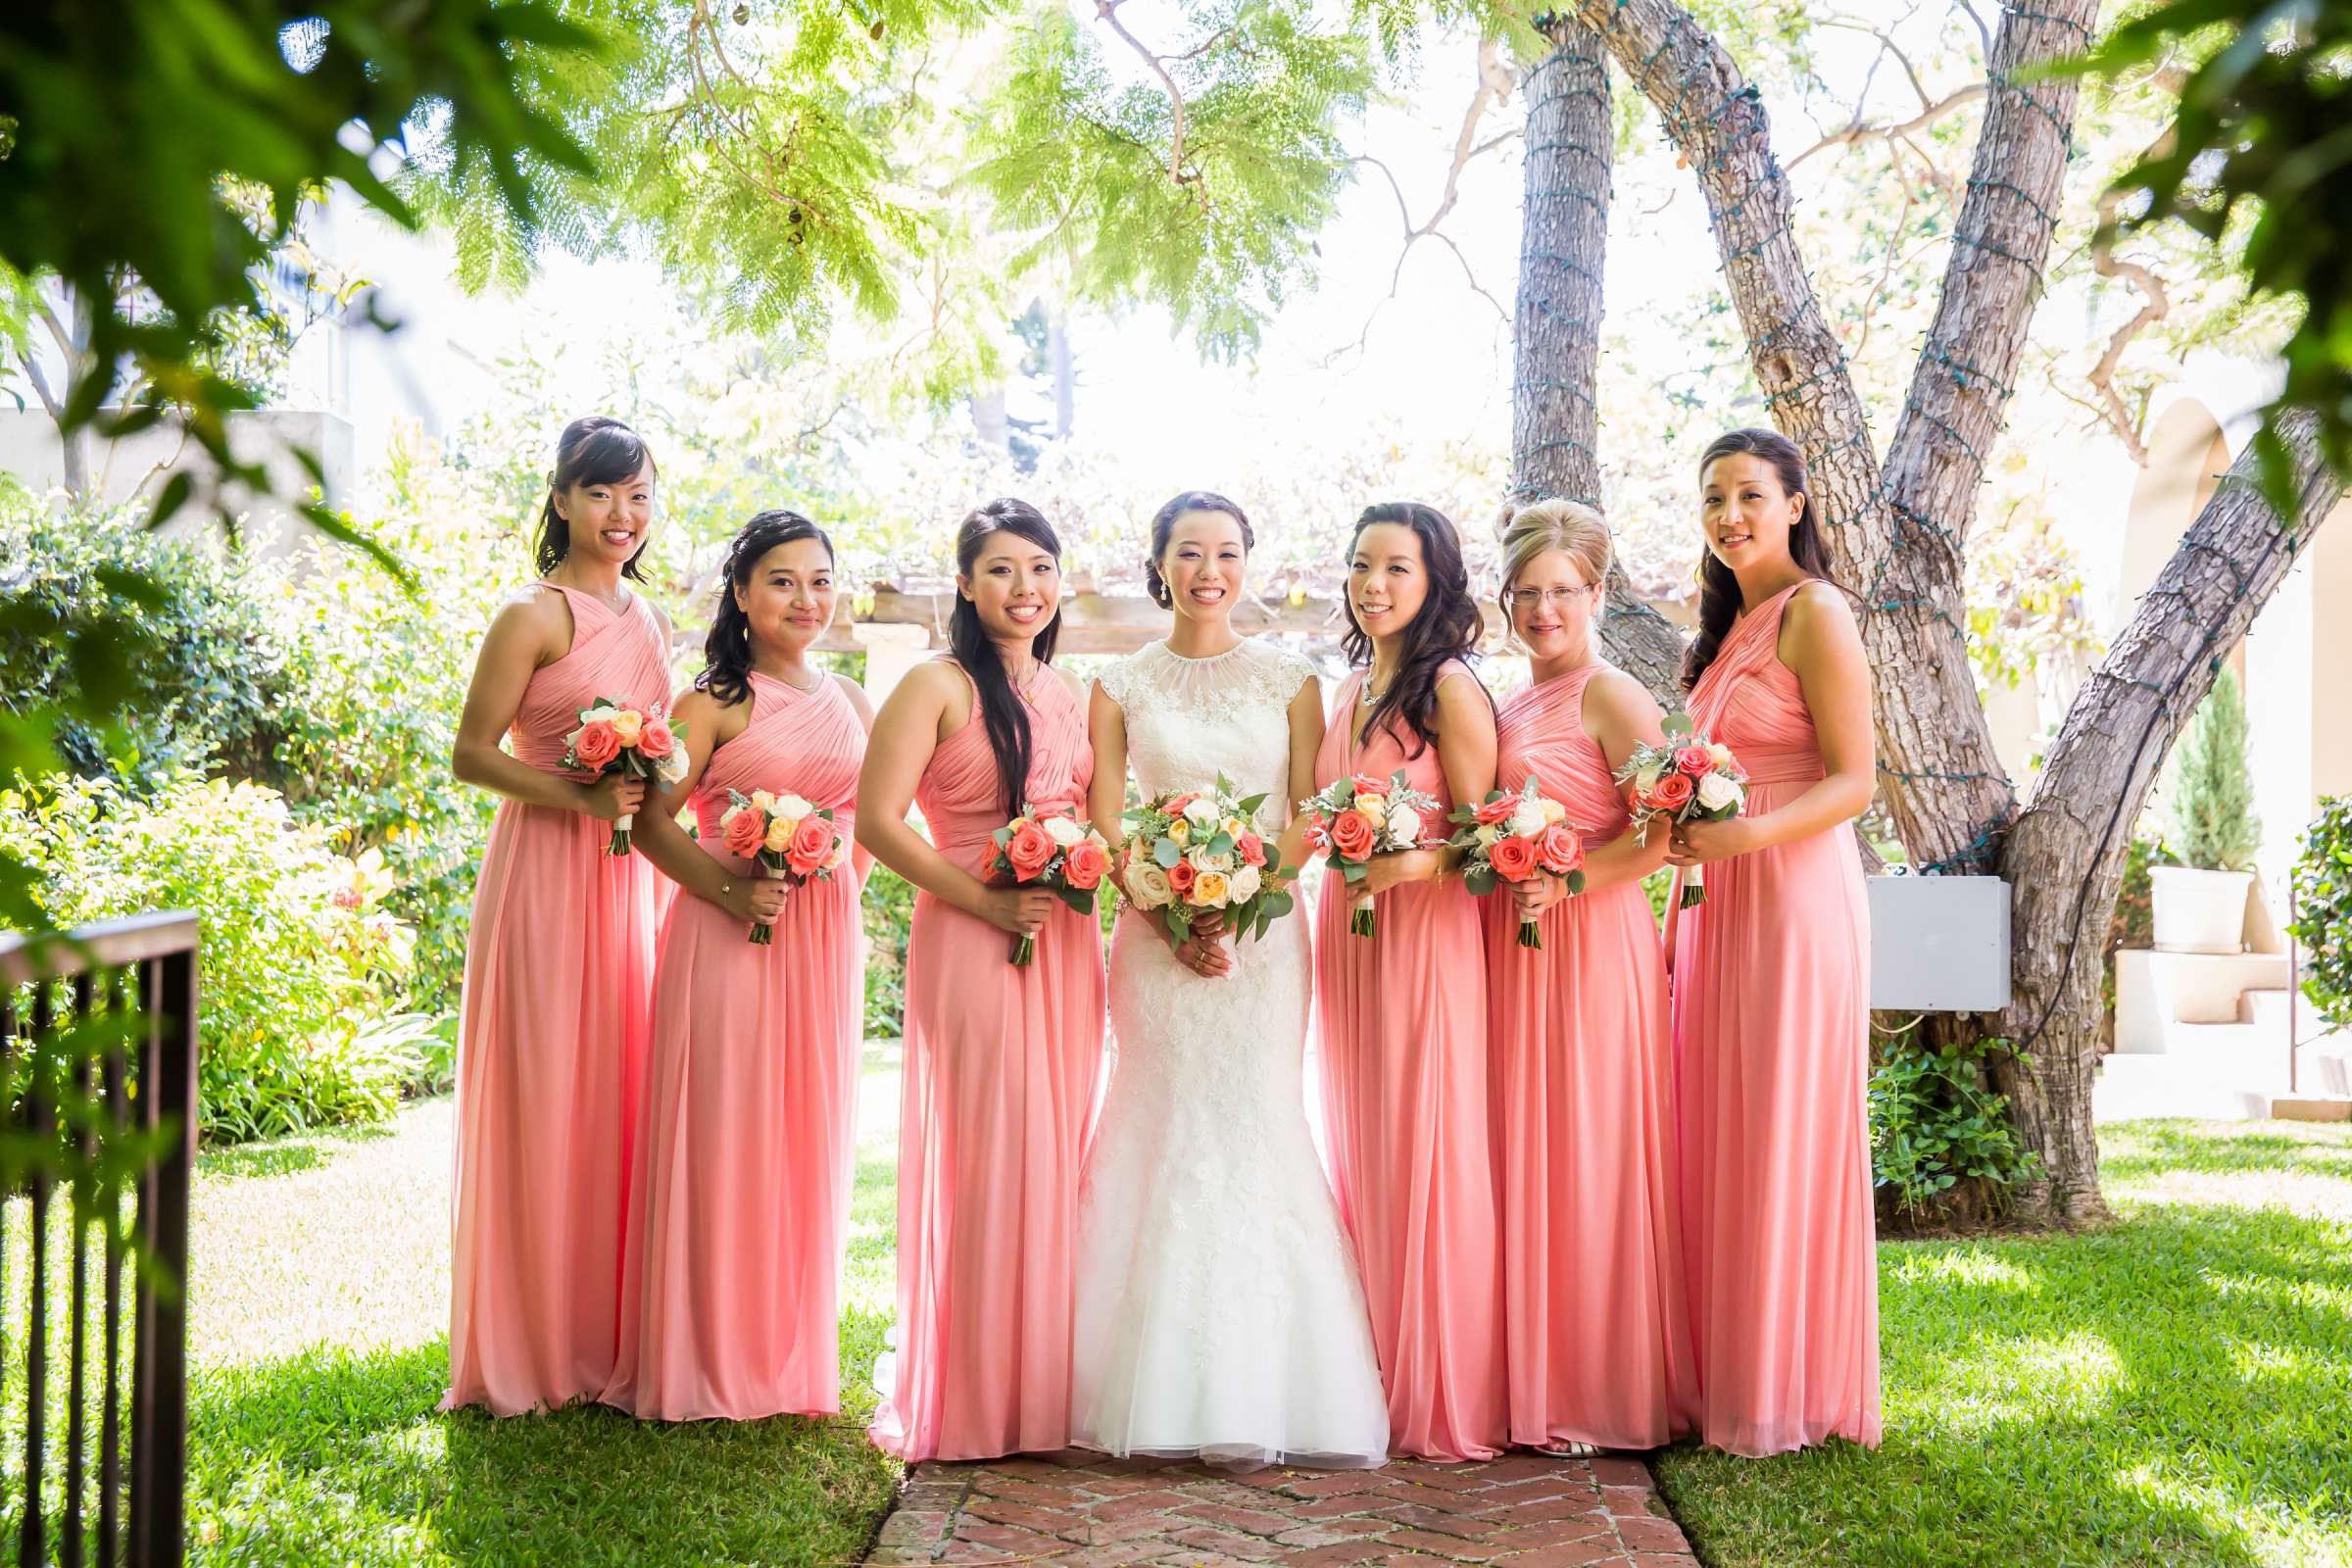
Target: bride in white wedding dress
<point>1219,1312</point>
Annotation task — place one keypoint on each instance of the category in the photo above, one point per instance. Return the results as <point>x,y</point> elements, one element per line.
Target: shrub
<point>2214,826</point>
<point>207,677</point>
<point>1933,1124</point>
<point>297,959</point>
<point>2323,924</point>
<point>888,911</point>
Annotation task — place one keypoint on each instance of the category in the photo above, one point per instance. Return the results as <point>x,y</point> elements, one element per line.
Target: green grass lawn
<point>2174,1389</point>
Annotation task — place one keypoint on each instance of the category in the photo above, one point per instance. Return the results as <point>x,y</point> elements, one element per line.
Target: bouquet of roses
<point>1196,850</point>
<point>786,837</point>
<point>614,738</point>
<point>1512,837</point>
<point>1358,818</point>
<point>1690,779</point>
<point>1055,851</point>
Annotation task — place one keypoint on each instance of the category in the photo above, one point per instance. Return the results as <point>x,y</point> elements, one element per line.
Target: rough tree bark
<point>1898,532</point>
<point>2065,854</point>
<point>1564,237</point>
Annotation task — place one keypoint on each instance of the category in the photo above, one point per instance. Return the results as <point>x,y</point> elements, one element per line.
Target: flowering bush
<point>300,957</point>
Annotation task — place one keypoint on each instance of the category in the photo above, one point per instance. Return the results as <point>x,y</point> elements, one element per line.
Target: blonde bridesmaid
<point>1594,1313</point>
<point>1770,978</point>
<point>559,958</point>
<point>1001,1060</point>
<point>730,1268</point>
<point>1403,1011</point>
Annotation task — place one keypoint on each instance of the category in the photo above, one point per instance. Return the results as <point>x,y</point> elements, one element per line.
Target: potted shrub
<point>2200,905</point>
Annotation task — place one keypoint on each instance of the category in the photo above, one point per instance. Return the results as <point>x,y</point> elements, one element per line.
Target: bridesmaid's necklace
<point>817,678</point>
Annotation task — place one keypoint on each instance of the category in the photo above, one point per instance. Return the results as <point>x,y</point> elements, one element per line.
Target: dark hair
<point>1001,709</point>
<point>1719,597</point>
<point>595,450</point>
<point>1446,628</point>
<point>1164,524</point>
<point>728,650</point>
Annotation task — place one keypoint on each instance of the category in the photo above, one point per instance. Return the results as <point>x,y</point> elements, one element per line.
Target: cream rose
<point>1721,752</point>
<point>1526,819</point>
<point>1648,781</point>
<point>1404,825</point>
<point>627,726</point>
<point>1554,812</point>
<point>1061,830</point>
<point>1716,793</point>
<point>791,806</point>
<point>1488,834</point>
<point>1147,885</point>
<point>1244,883</point>
<point>763,799</point>
<point>1202,812</point>
<point>1372,805</point>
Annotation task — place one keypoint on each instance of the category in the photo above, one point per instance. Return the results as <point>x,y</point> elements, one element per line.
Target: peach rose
<point>810,848</point>
<point>1211,888</point>
<point>1560,851</point>
<point>596,746</point>
<point>1672,793</point>
<point>1514,858</point>
<point>654,739</point>
<point>1252,848</point>
<point>1354,835</point>
<point>629,725</point>
<point>1693,761</point>
<point>1029,848</point>
<point>1087,865</point>
<point>743,832</point>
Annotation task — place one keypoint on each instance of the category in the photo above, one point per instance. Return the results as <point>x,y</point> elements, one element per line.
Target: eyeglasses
<point>1526,600</point>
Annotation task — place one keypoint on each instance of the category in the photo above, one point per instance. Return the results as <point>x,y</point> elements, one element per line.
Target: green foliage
<point>2212,793</point>
<point>1933,1123</point>
<point>2261,126</point>
<point>201,677</point>
<point>298,960</point>
<point>888,910</point>
<point>1201,188</point>
<point>2323,924</point>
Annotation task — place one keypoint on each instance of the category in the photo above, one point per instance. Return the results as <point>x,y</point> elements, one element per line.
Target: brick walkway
<point>1081,1510</point>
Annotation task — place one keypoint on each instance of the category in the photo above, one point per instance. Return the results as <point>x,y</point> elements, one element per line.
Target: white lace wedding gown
<point>1219,1310</point>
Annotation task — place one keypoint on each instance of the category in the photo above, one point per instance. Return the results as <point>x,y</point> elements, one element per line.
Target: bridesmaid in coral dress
<point>1403,1018</point>
<point>559,958</point>
<point>1597,1331</point>
<point>1771,979</point>
<point>1001,1060</point>
<point>730,1270</point>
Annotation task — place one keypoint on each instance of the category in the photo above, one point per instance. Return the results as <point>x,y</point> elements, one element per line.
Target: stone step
<point>2137,1086</point>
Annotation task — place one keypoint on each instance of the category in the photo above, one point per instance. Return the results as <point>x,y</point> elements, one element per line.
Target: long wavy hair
<point>1719,597</point>
<point>728,650</point>
<point>1446,628</point>
<point>1163,525</point>
<point>1001,709</point>
<point>596,449</point>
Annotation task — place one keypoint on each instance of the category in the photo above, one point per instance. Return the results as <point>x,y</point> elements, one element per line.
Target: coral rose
<point>1366,784</point>
<point>1252,848</point>
<point>1514,858</point>
<point>1086,867</point>
<point>1560,851</point>
<point>810,848</point>
<point>1497,809</point>
<point>742,831</point>
<point>1693,761</point>
<point>654,739</point>
<point>628,726</point>
<point>1353,834</point>
<point>1181,877</point>
<point>597,745</point>
<point>1671,793</point>
<point>1029,848</point>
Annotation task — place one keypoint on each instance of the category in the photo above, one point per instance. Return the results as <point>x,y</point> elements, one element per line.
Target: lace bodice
<point>1189,719</point>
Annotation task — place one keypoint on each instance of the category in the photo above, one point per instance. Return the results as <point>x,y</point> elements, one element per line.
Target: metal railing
<point>98,1058</point>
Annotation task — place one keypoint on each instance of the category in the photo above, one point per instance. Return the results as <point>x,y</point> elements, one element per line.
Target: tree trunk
<point>2065,855</point>
<point>1562,242</point>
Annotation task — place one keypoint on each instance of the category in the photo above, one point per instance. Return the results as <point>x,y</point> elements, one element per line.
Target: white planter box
<point>1938,943</point>
<point>2200,911</point>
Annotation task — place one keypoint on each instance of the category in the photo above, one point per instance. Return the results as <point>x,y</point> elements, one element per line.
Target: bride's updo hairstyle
<point>1163,525</point>
<point>1446,628</point>
<point>1571,527</point>
<point>1002,711</point>
<point>728,650</point>
<point>596,449</point>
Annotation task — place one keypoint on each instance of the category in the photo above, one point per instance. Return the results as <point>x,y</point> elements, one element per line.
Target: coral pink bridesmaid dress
<point>1772,1058</point>
<point>1598,1332</point>
<point>730,1274</point>
<point>551,1055</point>
<point>1403,1033</point>
<point>997,1097</point>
